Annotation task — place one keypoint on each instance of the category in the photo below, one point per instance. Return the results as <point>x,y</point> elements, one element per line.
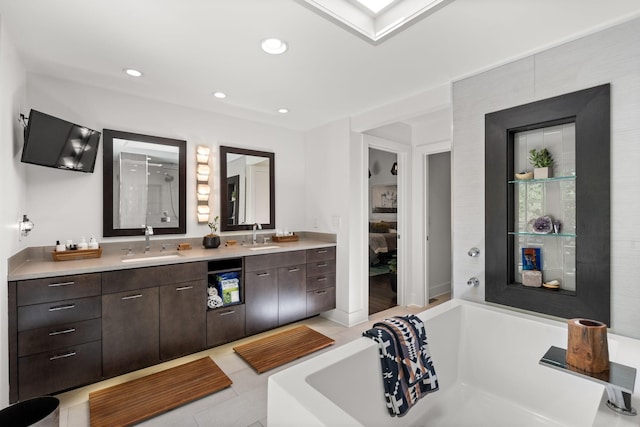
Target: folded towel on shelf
<point>407,369</point>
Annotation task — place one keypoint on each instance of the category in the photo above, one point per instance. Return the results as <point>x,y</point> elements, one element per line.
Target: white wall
<point>12,185</point>
<point>612,55</point>
<point>68,205</point>
<point>439,220</point>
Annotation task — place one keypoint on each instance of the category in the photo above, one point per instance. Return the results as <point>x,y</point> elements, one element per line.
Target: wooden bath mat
<point>270,352</point>
<point>137,400</point>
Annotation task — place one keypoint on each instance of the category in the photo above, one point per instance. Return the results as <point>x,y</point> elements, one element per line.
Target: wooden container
<point>292,238</point>
<point>76,254</point>
<point>587,347</point>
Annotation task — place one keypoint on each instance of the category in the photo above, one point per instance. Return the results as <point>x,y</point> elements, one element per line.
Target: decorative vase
<point>542,173</point>
<point>587,348</point>
<point>211,242</point>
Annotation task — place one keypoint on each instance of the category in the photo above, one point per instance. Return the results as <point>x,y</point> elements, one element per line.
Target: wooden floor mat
<point>270,352</point>
<point>137,400</point>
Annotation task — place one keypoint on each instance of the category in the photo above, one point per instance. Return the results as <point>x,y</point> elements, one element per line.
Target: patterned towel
<point>407,370</point>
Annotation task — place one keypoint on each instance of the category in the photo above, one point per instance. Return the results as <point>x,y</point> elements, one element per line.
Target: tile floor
<point>244,404</point>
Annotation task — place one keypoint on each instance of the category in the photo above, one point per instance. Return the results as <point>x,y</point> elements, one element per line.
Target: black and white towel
<point>407,369</point>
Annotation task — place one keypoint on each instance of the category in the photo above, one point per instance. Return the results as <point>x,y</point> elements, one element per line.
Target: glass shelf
<point>528,233</point>
<point>542,180</point>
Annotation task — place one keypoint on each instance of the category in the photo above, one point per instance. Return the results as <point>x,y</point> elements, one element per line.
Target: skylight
<point>374,20</point>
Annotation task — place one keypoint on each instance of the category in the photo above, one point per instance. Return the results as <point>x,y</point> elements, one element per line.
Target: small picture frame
<point>531,259</point>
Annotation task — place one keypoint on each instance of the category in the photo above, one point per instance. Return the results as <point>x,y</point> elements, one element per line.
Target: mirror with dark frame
<point>144,184</point>
<point>247,189</point>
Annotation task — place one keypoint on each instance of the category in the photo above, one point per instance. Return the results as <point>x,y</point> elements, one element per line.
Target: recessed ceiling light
<point>283,110</point>
<point>133,72</point>
<point>220,95</point>
<point>273,46</point>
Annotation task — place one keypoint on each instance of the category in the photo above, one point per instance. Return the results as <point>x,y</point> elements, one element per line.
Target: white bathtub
<point>486,359</point>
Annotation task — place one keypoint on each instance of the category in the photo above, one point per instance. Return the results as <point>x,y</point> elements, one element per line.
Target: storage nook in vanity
<point>225,322</point>
<point>54,334</point>
<point>151,314</point>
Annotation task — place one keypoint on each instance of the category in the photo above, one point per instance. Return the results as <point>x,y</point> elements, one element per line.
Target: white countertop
<point>40,267</point>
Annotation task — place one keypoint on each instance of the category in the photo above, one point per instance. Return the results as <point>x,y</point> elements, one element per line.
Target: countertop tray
<point>76,254</point>
<point>293,238</point>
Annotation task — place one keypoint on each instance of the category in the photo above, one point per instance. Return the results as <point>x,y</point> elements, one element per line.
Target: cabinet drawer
<point>321,300</point>
<point>321,254</point>
<point>58,288</point>
<point>319,268</point>
<point>51,338</point>
<point>49,372</point>
<point>58,313</point>
<point>225,325</point>
<point>147,277</point>
<point>283,259</point>
<point>321,282</point>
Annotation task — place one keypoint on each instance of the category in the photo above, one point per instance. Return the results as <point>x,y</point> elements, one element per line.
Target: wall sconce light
<point>203,190</point>
<point>25,225</point>
<point>394,168</point>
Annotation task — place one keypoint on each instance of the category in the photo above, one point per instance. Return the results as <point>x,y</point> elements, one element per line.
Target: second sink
<point>151,257</point>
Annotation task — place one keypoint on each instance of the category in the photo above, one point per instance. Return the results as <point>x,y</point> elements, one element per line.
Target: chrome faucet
<point>148,231</point>
<point>619,380</point>
<point>256,226</point>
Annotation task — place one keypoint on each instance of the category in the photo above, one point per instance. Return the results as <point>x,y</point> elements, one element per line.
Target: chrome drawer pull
<point>323,279</point>
<point>63,356</point>
<point>322,265</point>
<point>66,331</point>
<point>321,292</point>
<point>62,307</point>
<point>184,288</point>
<point>132,297</point>
<point>263,274</point>
<point>293,270</point>
<point>227,312</point>
<point>323,251</point>
<point>53,285</point>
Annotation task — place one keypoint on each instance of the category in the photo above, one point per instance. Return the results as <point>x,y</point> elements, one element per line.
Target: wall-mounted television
<point>56,143</point>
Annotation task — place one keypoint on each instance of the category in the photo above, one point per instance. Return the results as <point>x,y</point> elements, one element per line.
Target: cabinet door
<point>292,294</point>
<point>225,324</point>
<point>261,294</point>
<point>183,309</point>
<point>320,300</point>
<point>130,327</point>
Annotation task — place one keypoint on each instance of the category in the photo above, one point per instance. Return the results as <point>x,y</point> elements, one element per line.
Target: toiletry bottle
<point>83,244</point>
<point>93,243</point>
<point>59,247</point>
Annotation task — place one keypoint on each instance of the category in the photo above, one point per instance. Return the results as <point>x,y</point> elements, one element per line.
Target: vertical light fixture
<point>203,190</point>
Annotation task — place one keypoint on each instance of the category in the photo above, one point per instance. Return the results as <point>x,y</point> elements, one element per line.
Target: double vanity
<point>77,322</point>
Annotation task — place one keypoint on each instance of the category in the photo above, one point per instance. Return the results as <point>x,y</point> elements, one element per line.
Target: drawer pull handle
<point>324,264</point>
<point>66,331</point>
<point>323,251</point>
<point>321,292</point>
<point>63,356</point>
<point>55,285</point>
<point>323,279</point>
<point>184,288</point>
<point>62,307</point>
<point>224,313</point>
<point>132,297</point>
<point>293,270</point>
<point>263,274</point>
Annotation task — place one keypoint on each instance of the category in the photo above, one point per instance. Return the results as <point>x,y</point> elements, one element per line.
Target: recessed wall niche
<point>576,129</point>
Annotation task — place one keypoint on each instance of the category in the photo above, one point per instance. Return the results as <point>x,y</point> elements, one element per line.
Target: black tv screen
<point>56,143</point>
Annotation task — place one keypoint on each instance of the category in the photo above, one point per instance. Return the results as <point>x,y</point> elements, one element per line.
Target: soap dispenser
<point>60,247</point>
<point>83,244</point>
<point>93,243</point>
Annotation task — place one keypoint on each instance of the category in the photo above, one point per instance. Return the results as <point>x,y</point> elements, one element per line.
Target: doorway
<point>383,230</point>
<point>438,225</point>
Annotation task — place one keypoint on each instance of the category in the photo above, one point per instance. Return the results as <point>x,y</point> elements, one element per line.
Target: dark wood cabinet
<point>321,280</point>
<point>261,300</point>
<point>225,324</point>
<point>130,330</point>
<point>292,293</point>
<point>182,318</point>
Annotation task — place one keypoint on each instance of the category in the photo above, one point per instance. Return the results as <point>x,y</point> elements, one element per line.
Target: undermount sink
<point>261,248</point>
<point>150,257</point>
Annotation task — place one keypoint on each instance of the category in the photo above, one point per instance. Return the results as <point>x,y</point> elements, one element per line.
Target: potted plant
<point>212,240</point>
<point>542,161</point>
<point>393,273</point>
